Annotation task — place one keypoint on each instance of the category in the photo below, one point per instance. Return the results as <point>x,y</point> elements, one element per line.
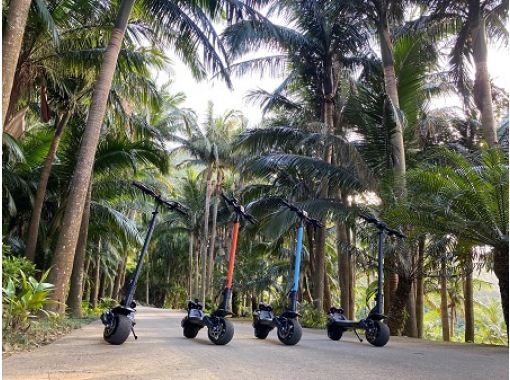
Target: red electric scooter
<point>220,330</point>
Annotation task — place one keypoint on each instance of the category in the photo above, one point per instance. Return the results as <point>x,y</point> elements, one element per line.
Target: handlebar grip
<point>250,218</point>
<point>228,200</point>
<point>396,233</point>
<point>174,206</point>
<point>369,219</point>
<point>316,223</point>
<point>144,188</point>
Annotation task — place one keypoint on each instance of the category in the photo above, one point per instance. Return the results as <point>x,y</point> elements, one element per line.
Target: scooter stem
<point>297,268</point>
<point>380,273</point>
<point>132,284</point>
<point>227,292</point>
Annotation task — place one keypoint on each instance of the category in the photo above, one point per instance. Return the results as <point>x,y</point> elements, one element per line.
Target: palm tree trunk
<point>469,316</point>
<point>75,292</point>
<point>318,274</point>
<point>191,288</point>
<point>396,313</point>
<point>212,242</point>
<point>482,86</point>
<point>327,293</point>
<point>97,279</point>
<point>33,230</point>
<point>85,276</point>
<point>419,287</point>
<point>68,237</point>
<point>352,276</point>
<point>501,272</point>
<point>197,267</point>
<point>12,40</point>
<point>390,86</point>
<point>343,268</point>
<point>444,300</point>
<point>118,279</point>
<point>205,234</point>
<point>411,329</point>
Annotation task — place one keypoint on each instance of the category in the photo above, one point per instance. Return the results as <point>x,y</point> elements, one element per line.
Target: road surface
<point>161,352</point>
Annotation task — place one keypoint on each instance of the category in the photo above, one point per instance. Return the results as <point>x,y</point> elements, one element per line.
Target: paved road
<point>162,353</point>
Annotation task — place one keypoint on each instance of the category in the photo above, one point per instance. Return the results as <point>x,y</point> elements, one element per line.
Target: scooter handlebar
<point>172,205</point>
<point>380,225</point>
<point>239,209</point>
<point>396,233</point>
<point>302,214</point>
<point>144,188</point>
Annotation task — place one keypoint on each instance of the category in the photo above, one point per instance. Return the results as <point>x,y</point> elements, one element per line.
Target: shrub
<point>24,300</point>
<point>12,266</point>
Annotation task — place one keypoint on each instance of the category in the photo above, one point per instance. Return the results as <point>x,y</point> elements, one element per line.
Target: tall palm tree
<point>476,22</point>
<point>324,39</point>
<point>195,30</point>
<point>12,40</point>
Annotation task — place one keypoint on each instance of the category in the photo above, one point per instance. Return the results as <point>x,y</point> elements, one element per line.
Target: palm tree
<point>192,33</point>
<point>467,197</point>
<point>324,40</point>
<point>475,21</point>
<point>12,40</point>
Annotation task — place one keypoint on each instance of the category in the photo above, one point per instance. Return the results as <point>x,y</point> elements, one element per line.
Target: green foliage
<point>24,301</point>
<point>311,317</point>
<point>176,297</point>
<point>13,267</point>
<point>106,303</point>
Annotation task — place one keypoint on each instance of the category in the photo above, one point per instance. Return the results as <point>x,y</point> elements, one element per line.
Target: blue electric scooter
<point>288,328</point>
<point>376,332</point>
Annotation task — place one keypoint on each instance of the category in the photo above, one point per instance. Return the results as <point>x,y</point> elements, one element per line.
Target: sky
<point>199,94</point>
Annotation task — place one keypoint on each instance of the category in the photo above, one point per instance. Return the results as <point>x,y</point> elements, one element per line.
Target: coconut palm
<point>324,39</point>
<point>476,23</point>
<point>193,20</point>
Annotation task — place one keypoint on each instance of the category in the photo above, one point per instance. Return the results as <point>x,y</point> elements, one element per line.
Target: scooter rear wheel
<point>378,334</point>
<point>291,333</point>
<point>119,330</point>
<point>222,332</point>
<point>334,332</point>
<point>261,332</point>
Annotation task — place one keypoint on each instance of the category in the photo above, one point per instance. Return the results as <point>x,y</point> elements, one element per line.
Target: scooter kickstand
<point>133,331</point>
<point>355,332</point>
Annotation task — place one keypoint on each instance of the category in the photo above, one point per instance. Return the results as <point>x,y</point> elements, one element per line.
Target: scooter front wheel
<point>334,332</point>
<point>290,332</point>
<point>221,332</point>
<point>190,330</point>
<point>118,331</point>
<point>378,334</point>
<point>261,332</point>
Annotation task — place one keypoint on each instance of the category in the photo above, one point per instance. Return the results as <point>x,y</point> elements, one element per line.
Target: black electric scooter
<point>288,328</point>
<point>219,329</point>
<point>376,332</point>
<point>120,320</point>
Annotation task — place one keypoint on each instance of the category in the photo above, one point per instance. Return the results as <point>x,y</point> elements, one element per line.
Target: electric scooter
<point>288,328</point>
<point>120,320</point>
<point>376,332</point>
<point>219,329</point>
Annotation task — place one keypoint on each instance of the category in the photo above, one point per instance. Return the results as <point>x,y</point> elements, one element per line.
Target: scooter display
<point>120,320</point>
<point>219,329</point>
<point>376,332</point>
<point>288,328</point>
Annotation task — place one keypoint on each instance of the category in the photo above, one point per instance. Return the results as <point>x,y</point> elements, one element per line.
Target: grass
<point>42,331</point>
